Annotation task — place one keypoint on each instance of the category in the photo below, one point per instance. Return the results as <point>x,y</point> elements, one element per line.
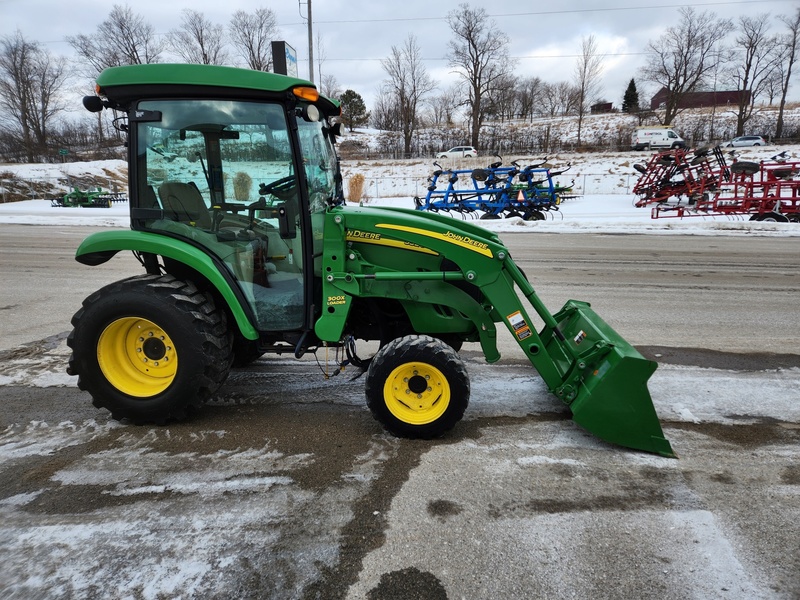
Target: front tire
<point>417,387</point>
<point>150,348</point>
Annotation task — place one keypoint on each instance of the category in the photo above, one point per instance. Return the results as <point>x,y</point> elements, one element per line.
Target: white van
<point>646,138</point>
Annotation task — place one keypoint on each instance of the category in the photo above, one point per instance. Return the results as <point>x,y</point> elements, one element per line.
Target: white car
<point>459,152</point>
<point>747,140</point>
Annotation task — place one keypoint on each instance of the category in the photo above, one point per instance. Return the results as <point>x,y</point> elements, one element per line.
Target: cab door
<point>222,174</point>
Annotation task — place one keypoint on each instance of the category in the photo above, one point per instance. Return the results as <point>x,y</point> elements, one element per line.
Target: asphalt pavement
<point>283,486</point>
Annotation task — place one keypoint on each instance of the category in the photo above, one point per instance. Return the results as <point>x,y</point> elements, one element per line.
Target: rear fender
<point>102,246</point>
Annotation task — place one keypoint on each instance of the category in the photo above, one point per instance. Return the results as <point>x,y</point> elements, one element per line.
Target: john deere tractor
<point>248,248</point>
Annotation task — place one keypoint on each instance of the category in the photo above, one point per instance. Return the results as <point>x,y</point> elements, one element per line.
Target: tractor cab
<point>245,180</point>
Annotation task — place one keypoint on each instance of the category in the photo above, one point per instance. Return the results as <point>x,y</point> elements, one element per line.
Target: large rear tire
<point>417,387</point>
<point>245,351</point>
<point>150,348</point>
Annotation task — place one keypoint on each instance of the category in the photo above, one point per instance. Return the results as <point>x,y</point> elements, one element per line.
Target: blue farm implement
<point>495,192</point>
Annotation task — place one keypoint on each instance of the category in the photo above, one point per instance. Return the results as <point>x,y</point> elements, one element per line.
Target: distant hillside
<point>610,131</point>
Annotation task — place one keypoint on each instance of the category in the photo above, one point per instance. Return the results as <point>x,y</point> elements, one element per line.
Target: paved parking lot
<point>284,487</point>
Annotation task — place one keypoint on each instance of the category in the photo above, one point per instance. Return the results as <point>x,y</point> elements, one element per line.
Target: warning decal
<point>518,324</point>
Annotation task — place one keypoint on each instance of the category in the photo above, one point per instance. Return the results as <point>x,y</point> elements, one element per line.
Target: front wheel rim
<point>417,393</point>
<point>137,357</point>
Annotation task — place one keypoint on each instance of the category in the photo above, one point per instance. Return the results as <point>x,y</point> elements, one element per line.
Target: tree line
<point>701,51</point>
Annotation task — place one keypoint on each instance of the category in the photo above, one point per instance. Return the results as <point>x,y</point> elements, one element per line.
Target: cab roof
<point>121,85</point>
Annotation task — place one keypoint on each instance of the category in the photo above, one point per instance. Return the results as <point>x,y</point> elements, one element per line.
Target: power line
<point>545,12</point>
<point>604,55</point>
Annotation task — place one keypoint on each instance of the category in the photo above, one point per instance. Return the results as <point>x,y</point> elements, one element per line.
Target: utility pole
<point>310,40</point>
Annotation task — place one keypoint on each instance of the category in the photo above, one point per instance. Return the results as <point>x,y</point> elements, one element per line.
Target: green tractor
<point>85,199</point>
<point>248,248</point>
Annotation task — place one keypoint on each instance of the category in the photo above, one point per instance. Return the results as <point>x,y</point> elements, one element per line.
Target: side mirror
<point>93,103</point>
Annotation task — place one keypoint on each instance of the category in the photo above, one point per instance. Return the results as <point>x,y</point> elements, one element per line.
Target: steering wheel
<point>282,188</point>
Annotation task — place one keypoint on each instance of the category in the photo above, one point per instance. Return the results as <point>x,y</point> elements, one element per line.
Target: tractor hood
<point>429,232</point>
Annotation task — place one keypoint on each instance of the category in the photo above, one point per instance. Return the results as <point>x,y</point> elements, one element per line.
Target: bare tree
<point>320,54</point>
<point>774,84</point>
<point>442,107</point>
<point>586,78</point>
<point>548,106</point>
<point>681,59</point>
<point>122,39</point>
<point>198,40</point>
<point>558,99</point>
<point>755,58</point>
<point>789,46</point>
<point>503,98</point>
<point>31,80</point>
<point>409,83</point>
<point>385,114</point>
<point>329,86</point>
<point>529,94</point>
<point>252,34</point>
<point>479,53</point>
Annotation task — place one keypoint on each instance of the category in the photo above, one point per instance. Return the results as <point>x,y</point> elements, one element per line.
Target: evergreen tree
<point>354,111</point>
<point>630,101</point>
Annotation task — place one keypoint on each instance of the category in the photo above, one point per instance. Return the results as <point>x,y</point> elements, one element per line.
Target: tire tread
<point>209,322</point>
<point>404,349</point>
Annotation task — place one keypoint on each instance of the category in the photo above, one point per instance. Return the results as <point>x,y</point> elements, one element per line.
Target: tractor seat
<point>183,202</point>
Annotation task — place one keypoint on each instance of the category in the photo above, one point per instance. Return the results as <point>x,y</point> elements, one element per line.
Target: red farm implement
<point>700,183</point>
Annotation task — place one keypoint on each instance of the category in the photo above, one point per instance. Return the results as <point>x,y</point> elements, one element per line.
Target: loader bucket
<point>606,384</point>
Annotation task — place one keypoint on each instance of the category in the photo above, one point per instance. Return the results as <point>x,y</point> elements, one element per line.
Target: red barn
<point>702,99</point>
<point>601,108</point>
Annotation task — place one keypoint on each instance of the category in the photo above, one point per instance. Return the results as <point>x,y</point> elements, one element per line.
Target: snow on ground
<point>680,393</point>
<point>603,179</point>
<point>612,213</point>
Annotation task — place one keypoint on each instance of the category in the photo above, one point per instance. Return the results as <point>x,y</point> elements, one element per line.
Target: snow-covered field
<point>613,213</point>
<point>603,179</point>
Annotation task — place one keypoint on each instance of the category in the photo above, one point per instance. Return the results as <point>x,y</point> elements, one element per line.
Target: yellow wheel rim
<point>137,357</point>
<point>417,393</point>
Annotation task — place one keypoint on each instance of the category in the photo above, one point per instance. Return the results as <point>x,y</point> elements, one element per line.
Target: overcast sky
<point>356,34</point>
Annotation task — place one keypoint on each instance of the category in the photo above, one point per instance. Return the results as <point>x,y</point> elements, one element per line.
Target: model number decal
<point>336,300</point>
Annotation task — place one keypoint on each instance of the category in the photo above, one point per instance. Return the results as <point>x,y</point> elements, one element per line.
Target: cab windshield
<point>320,164</point>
